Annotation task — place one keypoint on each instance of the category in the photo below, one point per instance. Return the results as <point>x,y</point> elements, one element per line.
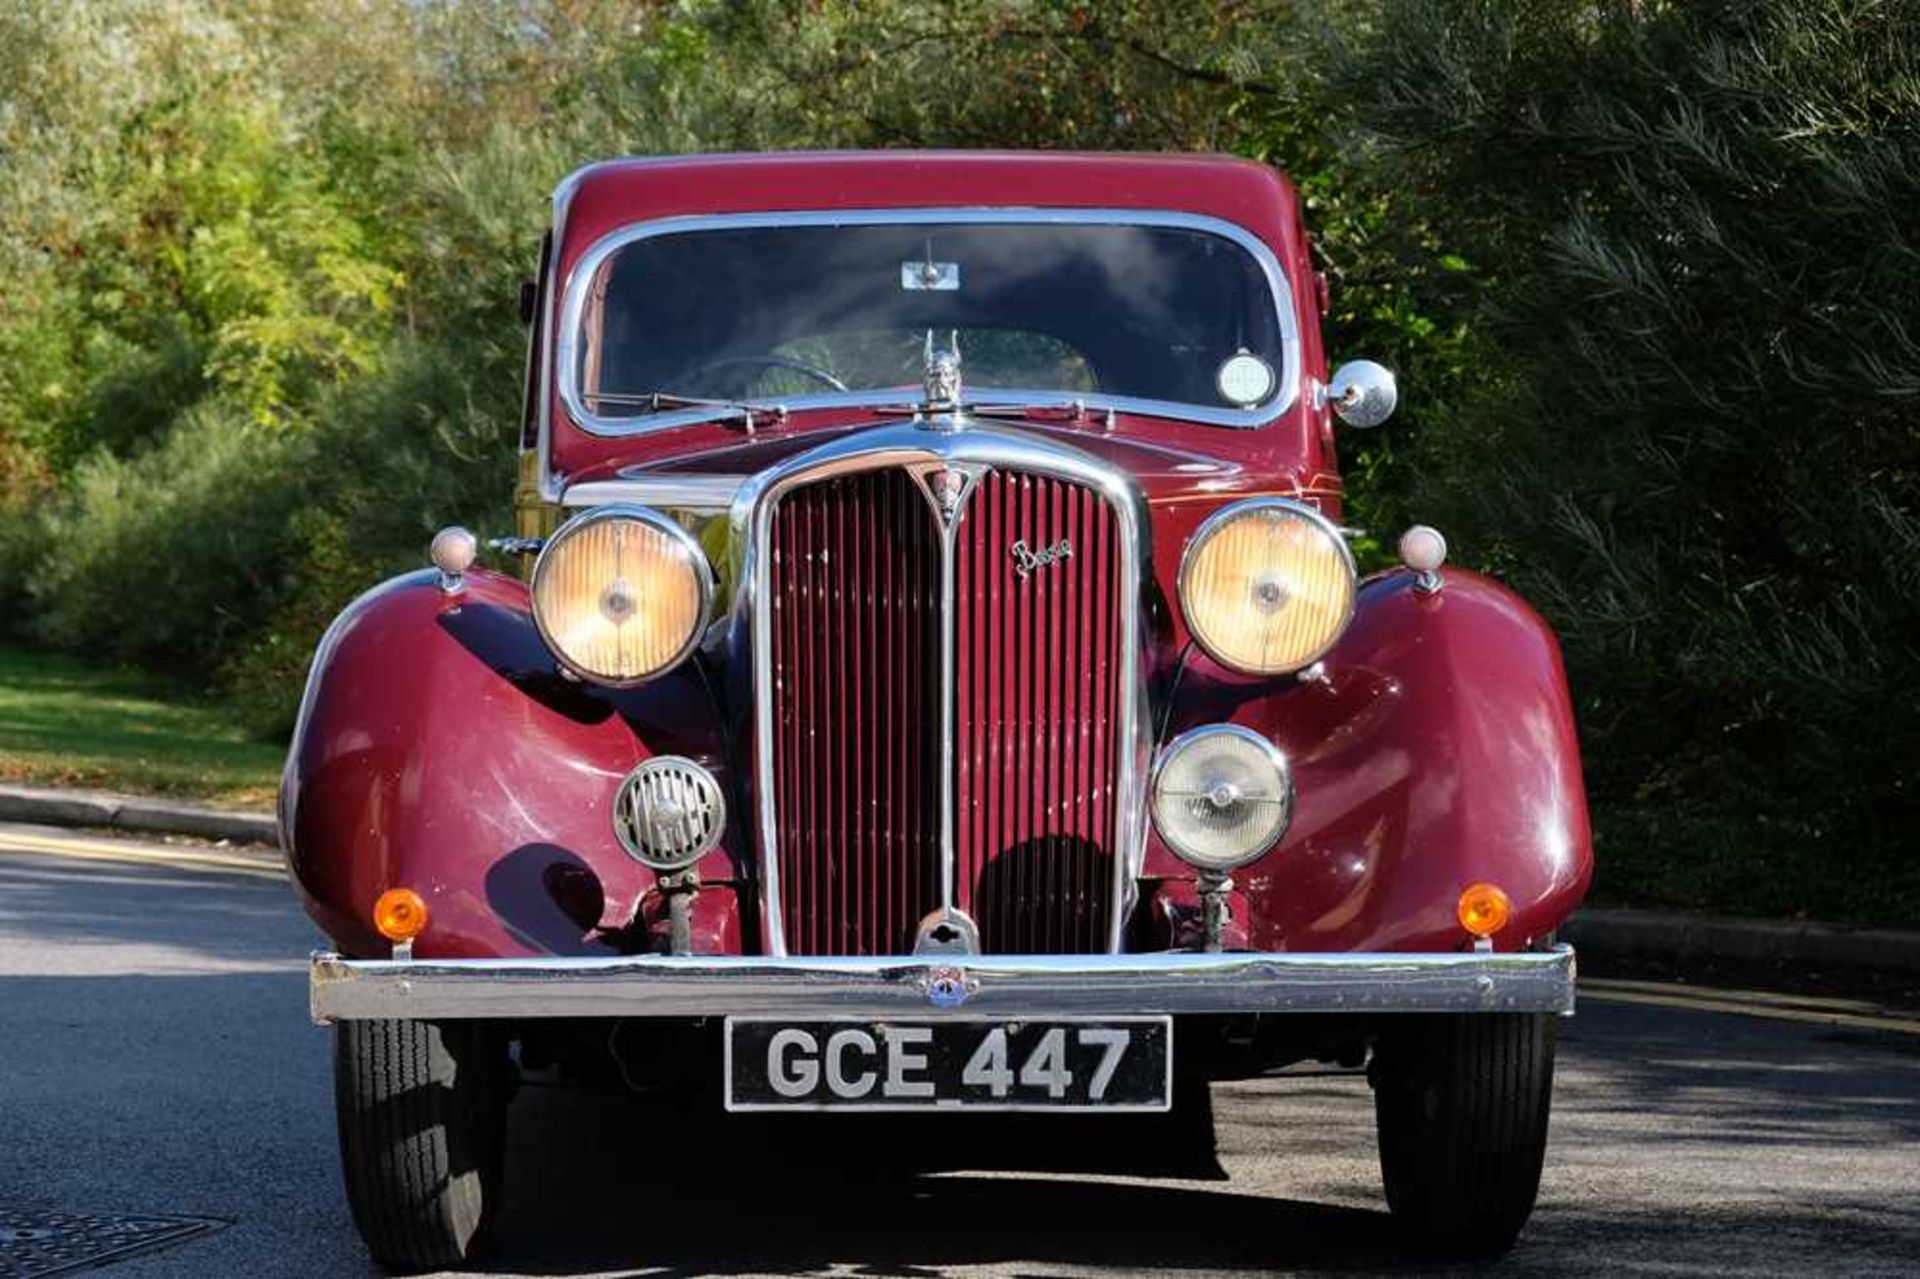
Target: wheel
<point>422,1111</point>
<point>1462,1103</point>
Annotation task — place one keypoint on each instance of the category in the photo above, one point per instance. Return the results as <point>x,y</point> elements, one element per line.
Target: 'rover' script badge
<point>1028,559</point>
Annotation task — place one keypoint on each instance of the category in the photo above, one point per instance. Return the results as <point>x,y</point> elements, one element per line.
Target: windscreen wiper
<point>655,401</point>
<point>1072,411</point>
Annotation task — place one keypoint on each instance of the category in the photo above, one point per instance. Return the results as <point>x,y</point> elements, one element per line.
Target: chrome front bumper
<point>920,986</point>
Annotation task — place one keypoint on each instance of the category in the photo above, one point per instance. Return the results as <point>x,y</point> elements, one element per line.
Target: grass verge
<point>66,722</point>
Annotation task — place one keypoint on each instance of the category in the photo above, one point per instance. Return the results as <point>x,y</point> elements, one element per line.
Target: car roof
<point>604,196</point>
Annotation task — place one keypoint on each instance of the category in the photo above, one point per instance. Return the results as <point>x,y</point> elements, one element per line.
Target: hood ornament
<point>943,373</point>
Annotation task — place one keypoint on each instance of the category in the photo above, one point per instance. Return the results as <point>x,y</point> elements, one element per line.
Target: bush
<point>169,557</point>
<point>426,445</point>
<point>1691,437</point>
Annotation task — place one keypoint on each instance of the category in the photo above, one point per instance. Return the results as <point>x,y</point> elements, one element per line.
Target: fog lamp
<point>400,914</point>
<point>621,594</point>
<point>1483,910</point>
<point>1267,586</point>
<point>1222,796</point>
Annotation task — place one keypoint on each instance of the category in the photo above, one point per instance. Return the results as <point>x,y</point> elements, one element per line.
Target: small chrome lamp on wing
<point>453,552</point>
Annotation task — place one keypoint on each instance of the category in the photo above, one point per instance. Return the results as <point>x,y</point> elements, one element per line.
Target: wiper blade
<point>655,401</point>
<point>1072,411</point>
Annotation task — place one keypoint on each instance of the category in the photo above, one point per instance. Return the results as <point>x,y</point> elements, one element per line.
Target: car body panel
<point>1438,752</point>
<point>441,748</point>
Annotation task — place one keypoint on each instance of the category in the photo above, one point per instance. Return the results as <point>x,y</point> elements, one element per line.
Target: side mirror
<point>1362,393</point>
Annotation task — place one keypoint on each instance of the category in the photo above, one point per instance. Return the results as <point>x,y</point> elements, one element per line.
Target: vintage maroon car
<point>938,681</point>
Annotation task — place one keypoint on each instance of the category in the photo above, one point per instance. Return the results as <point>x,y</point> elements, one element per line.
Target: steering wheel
<point>772,362</point>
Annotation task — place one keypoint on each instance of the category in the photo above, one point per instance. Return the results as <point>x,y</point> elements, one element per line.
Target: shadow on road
<point>1742,1082</point>
<point>603,1182</point>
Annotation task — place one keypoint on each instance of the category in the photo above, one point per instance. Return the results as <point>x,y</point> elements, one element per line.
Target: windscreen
<point>1160,313</point>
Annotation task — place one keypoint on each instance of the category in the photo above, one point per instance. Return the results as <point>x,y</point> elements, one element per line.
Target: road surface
<point>160,1081</point>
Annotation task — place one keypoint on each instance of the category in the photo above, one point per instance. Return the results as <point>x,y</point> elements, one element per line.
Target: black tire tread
<point>1463,1103</point>
<point>422,1118</point>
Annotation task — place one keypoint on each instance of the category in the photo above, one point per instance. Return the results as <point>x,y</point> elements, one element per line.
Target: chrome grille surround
<point>953,443</point>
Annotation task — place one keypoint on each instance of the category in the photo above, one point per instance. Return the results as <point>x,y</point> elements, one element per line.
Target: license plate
<point>1113,1064</point>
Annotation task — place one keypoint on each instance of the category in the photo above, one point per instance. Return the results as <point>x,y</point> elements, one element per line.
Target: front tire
<point>422,1114</point>
<point>1462,1103</point>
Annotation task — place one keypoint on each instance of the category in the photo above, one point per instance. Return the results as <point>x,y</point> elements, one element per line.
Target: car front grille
<point>857,601</point>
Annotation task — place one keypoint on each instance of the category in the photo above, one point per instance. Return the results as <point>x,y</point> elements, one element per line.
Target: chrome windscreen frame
<point>972,450</point>
<point>563,363</point>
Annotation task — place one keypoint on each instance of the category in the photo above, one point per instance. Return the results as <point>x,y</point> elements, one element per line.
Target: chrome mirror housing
<point>1363,393</point>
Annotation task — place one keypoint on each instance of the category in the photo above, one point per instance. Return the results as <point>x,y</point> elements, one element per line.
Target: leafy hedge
<point>1693,434</point>
<point>1647,270</point>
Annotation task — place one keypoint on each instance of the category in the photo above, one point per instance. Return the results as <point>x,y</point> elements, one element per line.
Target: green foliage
<point>196,239</point>
<point>156,557</point>
<point>1693,433</point>
<point>394,459</point>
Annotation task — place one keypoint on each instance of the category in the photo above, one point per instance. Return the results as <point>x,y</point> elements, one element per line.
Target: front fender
<point>440,748</point>
<point>1438,752</point>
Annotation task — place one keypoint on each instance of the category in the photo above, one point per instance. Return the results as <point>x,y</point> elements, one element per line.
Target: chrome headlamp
<point>1267,586</point>
<point>1222,796</point>
<point>621,594</point>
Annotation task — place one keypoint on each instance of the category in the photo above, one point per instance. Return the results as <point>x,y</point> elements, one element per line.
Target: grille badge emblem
<point>948,986</point>
<point>947,487</point>
<point>1028,559</point>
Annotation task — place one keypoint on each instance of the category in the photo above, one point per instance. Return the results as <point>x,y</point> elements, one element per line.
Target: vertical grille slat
<point>1037,876</point>
<point>854,646</point>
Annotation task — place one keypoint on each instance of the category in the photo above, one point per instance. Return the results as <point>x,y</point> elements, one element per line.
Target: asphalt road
<point>156,1060</point>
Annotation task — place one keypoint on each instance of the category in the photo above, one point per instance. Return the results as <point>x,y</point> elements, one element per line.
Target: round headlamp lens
<point>1222,796</point>
<point>621,594</point>
<point>1267,586</point>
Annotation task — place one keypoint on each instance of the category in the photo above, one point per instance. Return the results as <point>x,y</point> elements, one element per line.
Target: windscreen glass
<point>1156,313</point>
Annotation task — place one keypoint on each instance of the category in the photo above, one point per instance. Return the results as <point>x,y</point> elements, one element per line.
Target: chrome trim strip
<point>999,985</point>
<point>905,445</point>
<point>712,494</point>
<point>565,362</point>
<point>545,481</point>
<point>949,525</point>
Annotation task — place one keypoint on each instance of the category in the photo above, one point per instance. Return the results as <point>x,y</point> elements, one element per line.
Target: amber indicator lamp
<point>1483,910</point>
<point>400,914</point>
